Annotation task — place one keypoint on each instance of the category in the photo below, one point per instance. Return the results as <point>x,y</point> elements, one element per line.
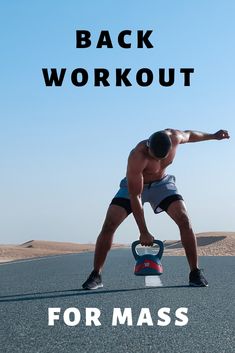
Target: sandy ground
<point>39,248</point>
<point>209,244</point>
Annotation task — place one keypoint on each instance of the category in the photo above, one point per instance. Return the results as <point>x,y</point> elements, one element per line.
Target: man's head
<point>159,144</point>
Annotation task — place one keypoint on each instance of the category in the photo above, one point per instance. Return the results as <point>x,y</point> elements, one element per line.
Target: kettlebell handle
<point>137,242</point>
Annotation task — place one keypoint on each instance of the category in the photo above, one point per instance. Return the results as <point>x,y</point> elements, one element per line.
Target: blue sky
<point>63,150</point>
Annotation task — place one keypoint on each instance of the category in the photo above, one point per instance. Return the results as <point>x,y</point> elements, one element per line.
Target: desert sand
<point>209,244</point>
<point>41,248</point>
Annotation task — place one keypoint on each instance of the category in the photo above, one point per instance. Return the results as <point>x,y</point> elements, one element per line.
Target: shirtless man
<point>147,181</point>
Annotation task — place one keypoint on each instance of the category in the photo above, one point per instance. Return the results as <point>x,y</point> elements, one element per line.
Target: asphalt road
<point>29,288</point>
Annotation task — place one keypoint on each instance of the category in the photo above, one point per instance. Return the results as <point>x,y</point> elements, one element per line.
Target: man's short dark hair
<point>159,144</point>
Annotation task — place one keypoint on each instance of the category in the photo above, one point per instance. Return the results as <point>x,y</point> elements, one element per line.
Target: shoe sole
<point>96,287</point>
<point>197,285</point>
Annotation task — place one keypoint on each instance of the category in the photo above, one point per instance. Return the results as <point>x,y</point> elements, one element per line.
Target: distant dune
<point>39,248</point>
<point>209,244</point>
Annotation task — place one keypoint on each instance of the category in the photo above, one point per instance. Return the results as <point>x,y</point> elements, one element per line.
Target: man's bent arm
<point>135,181</point>
<point>135,187</point>
<point>198,136</point>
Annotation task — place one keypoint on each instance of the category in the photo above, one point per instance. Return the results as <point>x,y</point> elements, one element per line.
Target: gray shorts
<point>160,194</point>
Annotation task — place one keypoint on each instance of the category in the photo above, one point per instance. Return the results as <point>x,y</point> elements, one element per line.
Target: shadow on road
<point>75,292</point>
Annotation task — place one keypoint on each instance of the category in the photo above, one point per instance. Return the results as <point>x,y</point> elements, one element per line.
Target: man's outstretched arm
<point>197,136</point>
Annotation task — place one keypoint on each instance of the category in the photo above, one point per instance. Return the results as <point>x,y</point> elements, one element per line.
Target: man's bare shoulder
<point>175,135</point>
<point>138,155</point>
<point>140,150</point>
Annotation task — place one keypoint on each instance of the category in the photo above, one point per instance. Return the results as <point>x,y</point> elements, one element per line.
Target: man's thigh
<point>114,217</point>
<point>178,212</point>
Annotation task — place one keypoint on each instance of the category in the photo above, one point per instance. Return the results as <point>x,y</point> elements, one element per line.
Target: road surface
<point>28,288</point>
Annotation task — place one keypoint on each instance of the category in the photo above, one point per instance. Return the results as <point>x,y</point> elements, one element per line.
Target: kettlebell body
<point>148,264</point>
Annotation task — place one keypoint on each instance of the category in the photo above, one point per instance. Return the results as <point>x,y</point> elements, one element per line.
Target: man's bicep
<point>135,179</point>
<point>135,183</point>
